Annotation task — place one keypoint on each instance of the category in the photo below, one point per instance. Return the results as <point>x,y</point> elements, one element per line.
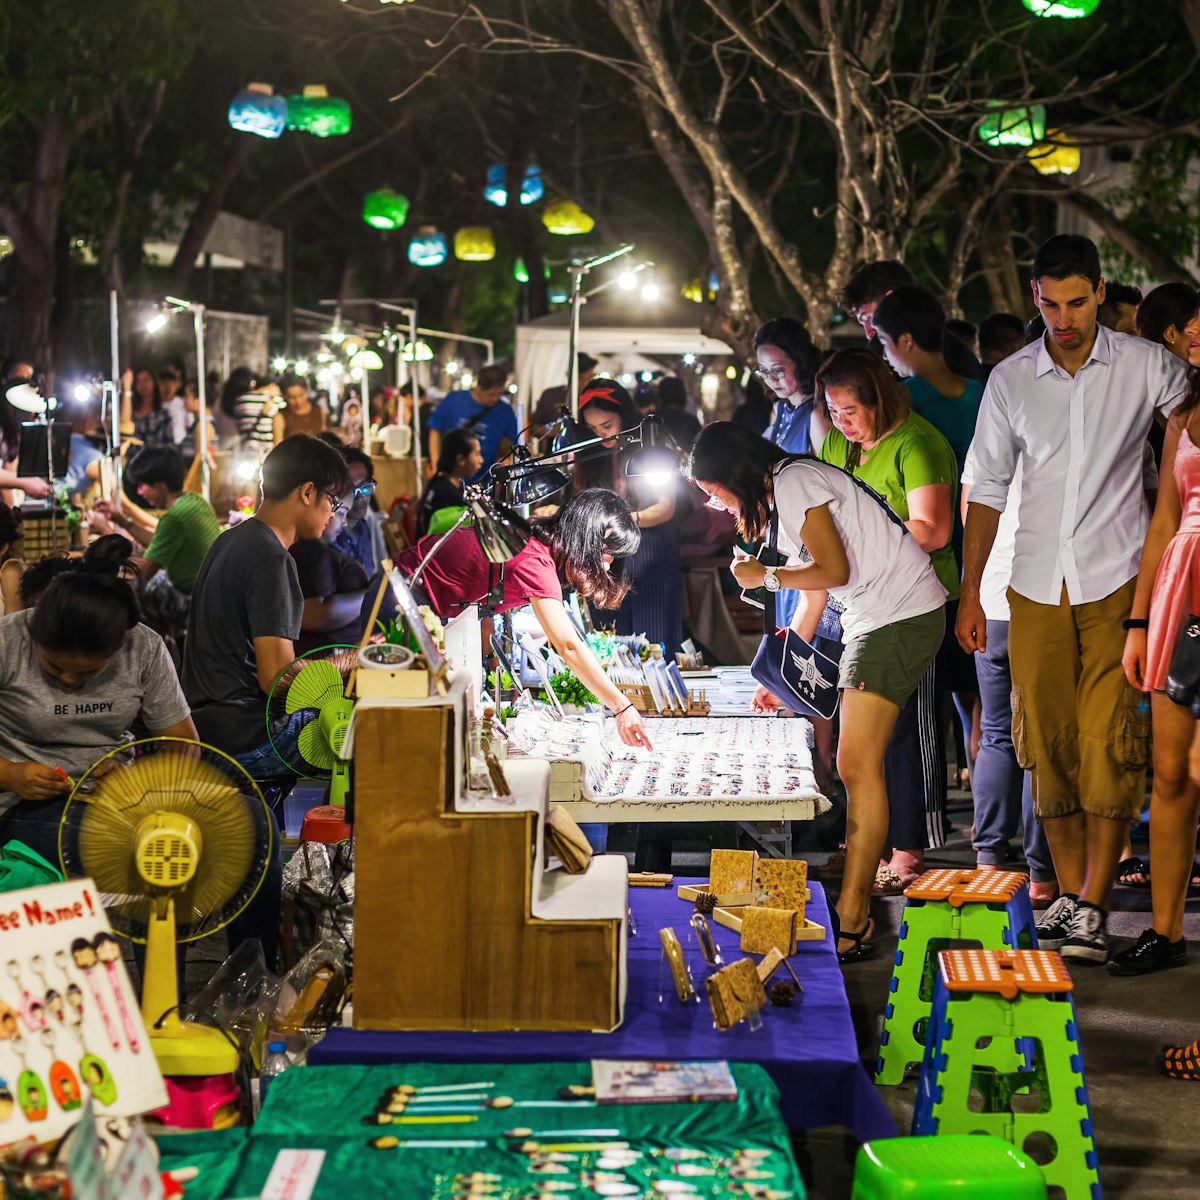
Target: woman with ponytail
<point>77,672</point>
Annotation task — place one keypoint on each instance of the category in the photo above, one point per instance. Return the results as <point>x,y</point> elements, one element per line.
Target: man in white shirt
<point>1073,408</point>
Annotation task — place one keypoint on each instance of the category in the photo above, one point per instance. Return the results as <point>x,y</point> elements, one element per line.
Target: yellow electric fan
<point>311,691</point>
<point>178,842</point>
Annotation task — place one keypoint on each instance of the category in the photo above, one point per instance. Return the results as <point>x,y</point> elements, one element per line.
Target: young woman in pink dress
<point>1168,589</point>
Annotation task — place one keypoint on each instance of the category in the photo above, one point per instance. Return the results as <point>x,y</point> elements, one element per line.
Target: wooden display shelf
<point>731,918</point>
<point>692,891</point>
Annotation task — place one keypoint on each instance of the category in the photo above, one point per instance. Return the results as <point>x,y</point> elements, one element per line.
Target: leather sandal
<point>863,948</point>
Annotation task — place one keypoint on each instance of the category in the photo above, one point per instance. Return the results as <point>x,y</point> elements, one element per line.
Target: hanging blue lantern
<point>532,187</point>
<point>428,248</point>
<point>495,191</point>
<point>255,109</point>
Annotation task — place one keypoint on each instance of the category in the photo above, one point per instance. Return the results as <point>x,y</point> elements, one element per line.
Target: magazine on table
<point>662,1082</point>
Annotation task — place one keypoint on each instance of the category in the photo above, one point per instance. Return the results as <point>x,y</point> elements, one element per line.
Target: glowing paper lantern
<point>1055,156</point>
<point>532,187</point>
<point>385,209</point>
<point>714,284</point>
<point>255,109</point>
<point>567,218</point>
<point>693,291</point>
<point>1067,9</point>
<point>520,271</point>
<point>495,190</point>
<point>557,294</point>
<point>316,112</point>
<point>474,243</point>
<point>1014,126</point>
<point>428,248</point>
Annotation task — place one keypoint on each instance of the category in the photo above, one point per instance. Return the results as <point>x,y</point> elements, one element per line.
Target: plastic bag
<point>21,867</point>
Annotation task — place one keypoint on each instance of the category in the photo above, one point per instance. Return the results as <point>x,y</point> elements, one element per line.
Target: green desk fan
<point>314,686</point>
<point>178,842</point>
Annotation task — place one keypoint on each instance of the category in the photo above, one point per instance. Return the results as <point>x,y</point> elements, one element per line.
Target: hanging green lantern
<point>1013,126</point>
<point>474,243</point>
<point>1067,9</point>
<point>566,218</point>
<point>520,271</point>
<point>385,209</point>
<point>316,112</point>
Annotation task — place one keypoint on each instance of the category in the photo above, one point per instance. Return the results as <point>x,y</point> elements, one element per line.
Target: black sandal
<point>1130,867</point>
<point>862,948</point>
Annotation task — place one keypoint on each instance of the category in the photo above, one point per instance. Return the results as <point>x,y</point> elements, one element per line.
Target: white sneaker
<point>1089,938</point>
<point>1056,924</point>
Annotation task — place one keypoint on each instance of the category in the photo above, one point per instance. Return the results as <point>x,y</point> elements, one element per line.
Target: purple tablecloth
<point>809,1049</point>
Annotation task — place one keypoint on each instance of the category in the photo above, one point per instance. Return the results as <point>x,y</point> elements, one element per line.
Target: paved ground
<point>1147,1126</point>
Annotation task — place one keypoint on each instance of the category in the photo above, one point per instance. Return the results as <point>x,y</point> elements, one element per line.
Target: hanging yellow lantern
<point>1055,156</point>
<point>693,291</point>
<point>474,243</point>
<point>567,218</point>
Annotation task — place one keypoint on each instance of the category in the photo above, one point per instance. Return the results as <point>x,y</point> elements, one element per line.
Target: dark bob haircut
<point>591,524</point>
<point>1166,305</point>
<point>1066,255</point>
<point>740,461</point>
<point>789,337</point>
<point>88,609</point>
<point>302,459</point>
<point>158,464</point>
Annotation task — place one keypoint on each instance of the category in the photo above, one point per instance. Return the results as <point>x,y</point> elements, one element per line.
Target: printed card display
<point>70,1024</point>
<point>662,1082</point>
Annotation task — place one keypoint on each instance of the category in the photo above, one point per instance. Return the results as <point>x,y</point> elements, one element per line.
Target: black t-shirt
<point>324,572</point>
<point>247,588</point>
<point>440,493</point>
<point>681,425</point>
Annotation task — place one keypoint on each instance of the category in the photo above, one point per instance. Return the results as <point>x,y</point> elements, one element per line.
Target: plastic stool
<point>945,1168</point>
<point>1002,1029</point>
<point>989,909</point>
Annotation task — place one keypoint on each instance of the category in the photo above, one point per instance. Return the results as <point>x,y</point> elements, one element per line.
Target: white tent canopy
<point>621,332</point>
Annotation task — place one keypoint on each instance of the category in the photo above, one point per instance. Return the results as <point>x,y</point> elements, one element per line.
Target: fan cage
<point>344,658</point>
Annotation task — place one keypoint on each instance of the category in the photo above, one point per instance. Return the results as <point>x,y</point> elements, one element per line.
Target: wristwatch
<point>771,580</point>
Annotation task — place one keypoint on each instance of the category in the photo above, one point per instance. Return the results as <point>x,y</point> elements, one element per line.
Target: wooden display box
<point>731,918</point>
<point>444,937</point>
<point>376,683</point>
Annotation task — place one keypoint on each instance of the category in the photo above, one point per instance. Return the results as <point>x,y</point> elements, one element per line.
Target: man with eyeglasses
<point>247,605</point>
<point>360,536</point>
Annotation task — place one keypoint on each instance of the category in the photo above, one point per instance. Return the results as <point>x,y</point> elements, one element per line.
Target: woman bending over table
<point>855,549</point>
<point>584,545</point>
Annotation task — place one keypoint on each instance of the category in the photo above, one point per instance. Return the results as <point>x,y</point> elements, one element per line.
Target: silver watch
<point>771,580</point>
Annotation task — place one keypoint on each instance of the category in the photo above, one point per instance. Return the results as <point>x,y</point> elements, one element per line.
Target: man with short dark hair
<point>1072,410</point>
<point>1119,310</point>
<point>874,280</point>
<point>482,411</point>
<point>554,398</point>
<point>1000,335</point>
<point>247,605</point>
<point>911,328</point>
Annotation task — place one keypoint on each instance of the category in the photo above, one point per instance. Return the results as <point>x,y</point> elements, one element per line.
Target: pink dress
<point>1177,585</point>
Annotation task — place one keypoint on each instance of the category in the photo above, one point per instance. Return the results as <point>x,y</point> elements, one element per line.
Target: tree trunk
<point>196,232</point>
<point>1008,292</point>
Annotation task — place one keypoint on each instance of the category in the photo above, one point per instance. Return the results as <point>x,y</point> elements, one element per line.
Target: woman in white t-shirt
<point>860,553</point>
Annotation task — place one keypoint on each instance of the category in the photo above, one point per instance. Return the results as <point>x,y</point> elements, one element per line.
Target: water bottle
<point>275,1063</point>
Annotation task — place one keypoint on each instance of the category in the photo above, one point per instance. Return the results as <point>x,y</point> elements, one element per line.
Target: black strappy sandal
<point>862,948</point>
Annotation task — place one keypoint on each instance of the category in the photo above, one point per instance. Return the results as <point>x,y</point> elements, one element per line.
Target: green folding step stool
<point>944,908</point>
<point>1003,1058</point>
<point>963,1167</point>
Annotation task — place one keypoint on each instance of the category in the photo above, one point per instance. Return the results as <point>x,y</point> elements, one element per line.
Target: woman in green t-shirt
<point>879,439</point>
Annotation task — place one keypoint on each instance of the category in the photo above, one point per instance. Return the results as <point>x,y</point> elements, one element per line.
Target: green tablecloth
<point>323,1108</point>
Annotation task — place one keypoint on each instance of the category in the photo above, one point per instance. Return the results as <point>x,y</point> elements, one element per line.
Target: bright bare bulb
<point>451,367</point>
<point>658,479</point>
<point>302,367</point>
<point>627,281</point>
<point>247,470</point>
<point>650,291</point>
<point>82,393</point>
<point>278,364</point>
<point>156,322</point>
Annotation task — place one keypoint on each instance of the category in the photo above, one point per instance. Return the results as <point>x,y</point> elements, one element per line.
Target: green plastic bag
<point>23,867</point>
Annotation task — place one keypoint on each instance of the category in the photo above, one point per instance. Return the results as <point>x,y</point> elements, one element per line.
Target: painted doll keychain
<point>64,1083</point>
<point>84,955</point>
<point>31,1092</point>
<point>109,953</point>
<point>33,1011</point>
<point>92,1067</point>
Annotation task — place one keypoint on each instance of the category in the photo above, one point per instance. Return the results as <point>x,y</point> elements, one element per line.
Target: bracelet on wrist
<point>625,709</point>
<point>1135,623</point>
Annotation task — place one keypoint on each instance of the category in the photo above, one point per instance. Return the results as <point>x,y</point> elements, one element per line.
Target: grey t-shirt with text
<point>43,721</point>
